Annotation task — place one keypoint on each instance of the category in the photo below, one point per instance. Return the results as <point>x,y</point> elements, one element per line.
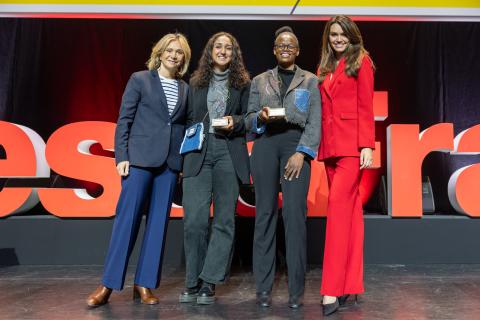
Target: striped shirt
<point>170,87</point>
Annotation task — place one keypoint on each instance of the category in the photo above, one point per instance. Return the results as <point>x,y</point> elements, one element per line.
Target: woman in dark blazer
<point>348,138</point>
<point>149,132</point>
<point>218,90</point>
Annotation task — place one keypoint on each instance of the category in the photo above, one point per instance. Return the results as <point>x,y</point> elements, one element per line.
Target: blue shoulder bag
<point>193,139</point>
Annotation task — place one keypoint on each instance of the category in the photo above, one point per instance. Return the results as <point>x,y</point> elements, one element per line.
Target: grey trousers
<point>208,249</point>
<point>269,157</point>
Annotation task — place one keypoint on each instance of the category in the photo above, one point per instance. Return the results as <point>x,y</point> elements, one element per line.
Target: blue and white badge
<point>191,131</point>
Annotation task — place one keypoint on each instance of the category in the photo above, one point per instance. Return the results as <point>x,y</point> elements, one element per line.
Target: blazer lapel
<point>327,84</point>
<point>161,94</point>
<point>232,99</point>
<point>330,79</point>
<point>273,83</point>
<point>181,97</point>
<point>297,80</point>
<point>202,108</point>
<point>338,71</point>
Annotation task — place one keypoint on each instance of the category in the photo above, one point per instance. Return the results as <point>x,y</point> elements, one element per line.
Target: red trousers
<point>343,257</point>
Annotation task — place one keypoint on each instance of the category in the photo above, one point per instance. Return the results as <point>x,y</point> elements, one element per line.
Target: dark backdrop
<point>58,71</point>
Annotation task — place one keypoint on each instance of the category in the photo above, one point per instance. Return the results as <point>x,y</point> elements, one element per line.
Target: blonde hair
<point>154,62</point>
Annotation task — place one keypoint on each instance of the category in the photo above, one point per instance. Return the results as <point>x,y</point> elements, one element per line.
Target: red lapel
<point>338,71</point>
<point>330,79</point>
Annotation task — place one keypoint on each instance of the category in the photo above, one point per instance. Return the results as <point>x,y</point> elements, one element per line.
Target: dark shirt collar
<point>286,71</point>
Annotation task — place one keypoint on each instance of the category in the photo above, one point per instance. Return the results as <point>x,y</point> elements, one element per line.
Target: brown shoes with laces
<point>145,294</point>
<point>99,297</point>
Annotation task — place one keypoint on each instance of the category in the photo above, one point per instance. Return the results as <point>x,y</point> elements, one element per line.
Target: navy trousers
<point>157,184</point>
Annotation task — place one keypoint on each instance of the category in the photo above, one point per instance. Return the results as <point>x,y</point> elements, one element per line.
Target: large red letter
<point>464,184</point>
<point>25,158</point>
<point>406,149</point>
<point>68,154</point>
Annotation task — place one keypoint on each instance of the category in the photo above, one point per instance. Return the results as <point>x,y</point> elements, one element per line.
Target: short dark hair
<point>282,30</point>
<point>285,29</point>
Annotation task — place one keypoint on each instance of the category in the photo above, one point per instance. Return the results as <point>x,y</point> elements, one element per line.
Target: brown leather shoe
<point>145,294</point>
<point>99,297</point>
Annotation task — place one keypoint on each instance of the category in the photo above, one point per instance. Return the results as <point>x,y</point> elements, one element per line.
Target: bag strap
<point>205,116</point>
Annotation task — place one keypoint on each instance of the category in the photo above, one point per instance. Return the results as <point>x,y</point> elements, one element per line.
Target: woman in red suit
<point>348,138</point>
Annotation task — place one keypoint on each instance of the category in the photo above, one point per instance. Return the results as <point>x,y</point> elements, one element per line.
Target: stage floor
<point>393,292</point>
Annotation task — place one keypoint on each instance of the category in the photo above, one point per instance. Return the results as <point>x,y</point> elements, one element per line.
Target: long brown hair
<point>353,54</point>
<point>238,76</point>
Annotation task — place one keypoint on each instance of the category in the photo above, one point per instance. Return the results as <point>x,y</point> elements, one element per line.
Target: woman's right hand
<point>123,168</point>
<point>263,115</point>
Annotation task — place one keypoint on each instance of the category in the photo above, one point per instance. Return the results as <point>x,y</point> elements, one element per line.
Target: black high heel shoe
<point>330,308</point>
<point>342,300</point>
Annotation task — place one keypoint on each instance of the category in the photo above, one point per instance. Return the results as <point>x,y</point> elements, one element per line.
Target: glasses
<point>284,47</point>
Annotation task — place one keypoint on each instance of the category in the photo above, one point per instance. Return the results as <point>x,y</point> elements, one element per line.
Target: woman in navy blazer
<point>147,142</point>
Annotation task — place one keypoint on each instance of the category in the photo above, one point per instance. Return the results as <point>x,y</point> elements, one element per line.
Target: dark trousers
<point>159,185</point>
<point>208,257</point>
<point>269,156</point>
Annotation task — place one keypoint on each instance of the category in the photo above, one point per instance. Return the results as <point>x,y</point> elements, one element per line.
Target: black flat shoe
<point>342,300</point>
<point>330,308</point>
<point>264,299</point>
<point>295,302</point>
<point>189,295</point>
<point>206,294</point>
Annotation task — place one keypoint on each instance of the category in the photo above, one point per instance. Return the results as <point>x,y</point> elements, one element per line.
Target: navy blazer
<point>146,135</point>
<point>237,108</point>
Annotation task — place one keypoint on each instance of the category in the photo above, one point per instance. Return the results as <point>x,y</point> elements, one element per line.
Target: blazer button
<point>168,123</point>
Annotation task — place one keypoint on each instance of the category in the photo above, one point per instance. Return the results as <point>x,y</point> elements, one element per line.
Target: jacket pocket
<point>302,97</point>
<point>348,115</point>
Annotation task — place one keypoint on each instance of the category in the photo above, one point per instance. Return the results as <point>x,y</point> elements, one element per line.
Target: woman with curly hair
<point>218,92</point>
<point>348,138</point>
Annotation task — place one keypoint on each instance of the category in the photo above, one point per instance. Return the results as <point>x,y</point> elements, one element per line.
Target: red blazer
<point>348,123</point>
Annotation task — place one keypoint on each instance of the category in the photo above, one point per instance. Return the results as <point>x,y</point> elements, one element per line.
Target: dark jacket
<point>146,135</point>
<point>237,108</point>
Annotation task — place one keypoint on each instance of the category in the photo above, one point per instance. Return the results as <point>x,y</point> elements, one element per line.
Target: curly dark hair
<point>238,77</point>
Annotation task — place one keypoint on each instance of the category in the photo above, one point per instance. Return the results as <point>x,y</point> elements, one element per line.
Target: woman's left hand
<point>294,166</point>
<point>366,158</point>
<point>229,126</point>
